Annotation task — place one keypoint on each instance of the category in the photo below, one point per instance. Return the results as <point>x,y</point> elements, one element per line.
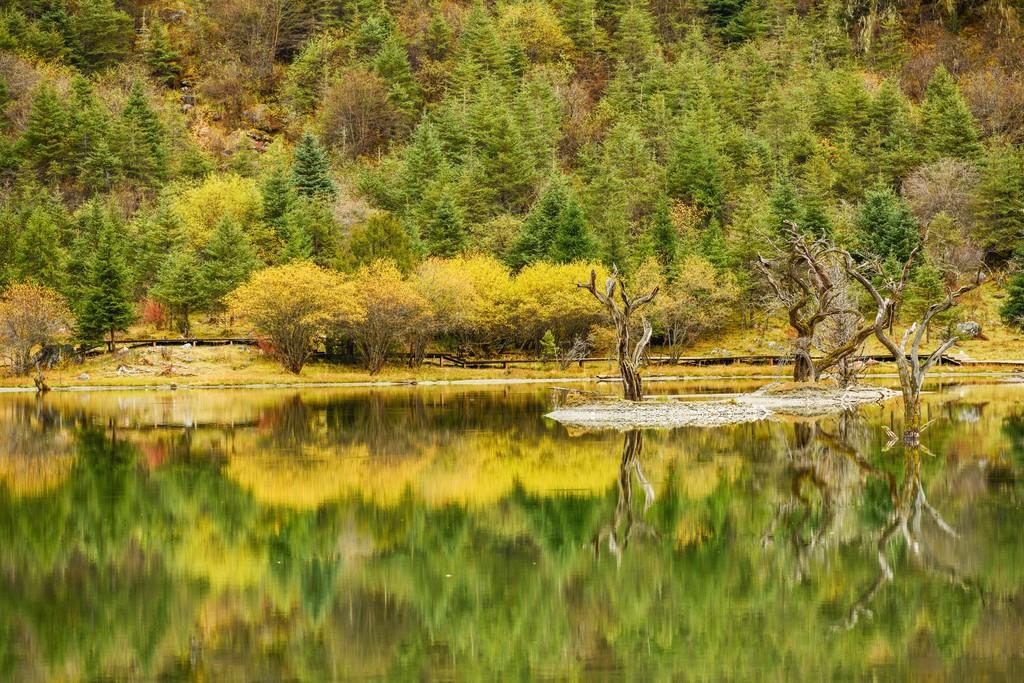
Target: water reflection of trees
<point>188,574</point>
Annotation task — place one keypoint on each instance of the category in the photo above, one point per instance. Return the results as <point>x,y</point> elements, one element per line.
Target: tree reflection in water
<point>625,525</point>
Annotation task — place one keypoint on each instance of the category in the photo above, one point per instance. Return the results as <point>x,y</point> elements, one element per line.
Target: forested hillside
<point>155,154</point>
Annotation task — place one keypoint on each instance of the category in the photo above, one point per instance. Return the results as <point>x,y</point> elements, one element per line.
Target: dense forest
<point>460,165</point>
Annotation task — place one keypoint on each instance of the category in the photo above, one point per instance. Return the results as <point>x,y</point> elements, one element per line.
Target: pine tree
<point>39,257</point>
<point>886,226</point>
<point>142,146</point>
<point>444,230</point>
<point>228,258</point>
<point>505,159</point>
<point>179,286</point>
<point>948,128</point>
<point>43,144</point>
<point>311,170</point>
<point>572,239</point>
<point>106,298</point>
<point>1000,200</point>
<point>153,238</point>
<point>665,241</point>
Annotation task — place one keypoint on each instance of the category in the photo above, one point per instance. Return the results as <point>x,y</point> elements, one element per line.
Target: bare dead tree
<point>912,367</point>
<point>567,354</point>
<point>628,353</point>
<point>801,278</point>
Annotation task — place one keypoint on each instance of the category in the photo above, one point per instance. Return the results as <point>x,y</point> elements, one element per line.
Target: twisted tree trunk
<point>629,354</point>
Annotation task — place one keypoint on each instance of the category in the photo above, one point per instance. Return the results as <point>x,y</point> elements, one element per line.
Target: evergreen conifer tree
<point>106,305</point>
<point>1012,310</point>
<point>572,239</point>
<point>541,225</point>
<point>298,246</point>
<point>311,170</point>
<point>163,60</point>
<point>180,286</point>
<point>785,204</point>
<point>693,169</point>
<point>1000,200</point>
<point>43,144</point>
<point>445,231</point>
<point>947,126</point>
<point>39,256</point>
<point>228,258</point>
<point>277,195</point>
<point>142,146</point>
<point>886,227</point>
<point>665,241</point>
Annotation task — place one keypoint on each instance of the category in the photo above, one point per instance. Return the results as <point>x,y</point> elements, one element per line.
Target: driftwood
<point>628,353</point>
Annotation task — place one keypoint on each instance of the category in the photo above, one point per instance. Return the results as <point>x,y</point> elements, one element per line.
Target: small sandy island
<point>765,403</point>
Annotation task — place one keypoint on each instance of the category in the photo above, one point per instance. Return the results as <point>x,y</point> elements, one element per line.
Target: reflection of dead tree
<point>910,505</point>
<point>624,526</point>
<point>813,469</point>
<point>803,280</point>
<point>907,352</point>
<point>628,353</point>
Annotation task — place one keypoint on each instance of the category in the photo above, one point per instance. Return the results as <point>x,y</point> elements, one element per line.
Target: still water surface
<point>455,534</point>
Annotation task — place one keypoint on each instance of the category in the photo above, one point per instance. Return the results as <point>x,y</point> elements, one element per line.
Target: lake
<point>453,533</point>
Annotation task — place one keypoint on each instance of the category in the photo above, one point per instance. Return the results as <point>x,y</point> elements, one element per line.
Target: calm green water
<point>454,534</point>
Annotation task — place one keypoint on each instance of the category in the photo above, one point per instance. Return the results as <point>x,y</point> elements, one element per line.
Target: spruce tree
<point>277,196</point>
<point>392,64</point>
<point>163,60</point>
<point>104,33</point>
<point>228,258</point>
<point>43,144</point>
<point>693,169</point>
<point>1000,200</point>
<point>541,225</point>
<point>106,306</point>
<point>1012,310</point>
<point>947,126</point>
<point>180,286</point>
<point>312,220</point>
<point>311,170</point>
<point>298,244</point>
<point>424,161</point>
<point>886,227</point>
<point>89,140</point>
<point>665,241</point>
<point>785,204</point>
<point>381,236</point>
<point>572,239</point>
<point>142,146</point>
<point>39,257</point>
<point>445,231</point>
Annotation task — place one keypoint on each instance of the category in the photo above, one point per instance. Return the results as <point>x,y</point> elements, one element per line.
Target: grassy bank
<point>241,366</point>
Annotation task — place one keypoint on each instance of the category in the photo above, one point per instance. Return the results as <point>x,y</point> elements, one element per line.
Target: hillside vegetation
<point>454,168</point>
